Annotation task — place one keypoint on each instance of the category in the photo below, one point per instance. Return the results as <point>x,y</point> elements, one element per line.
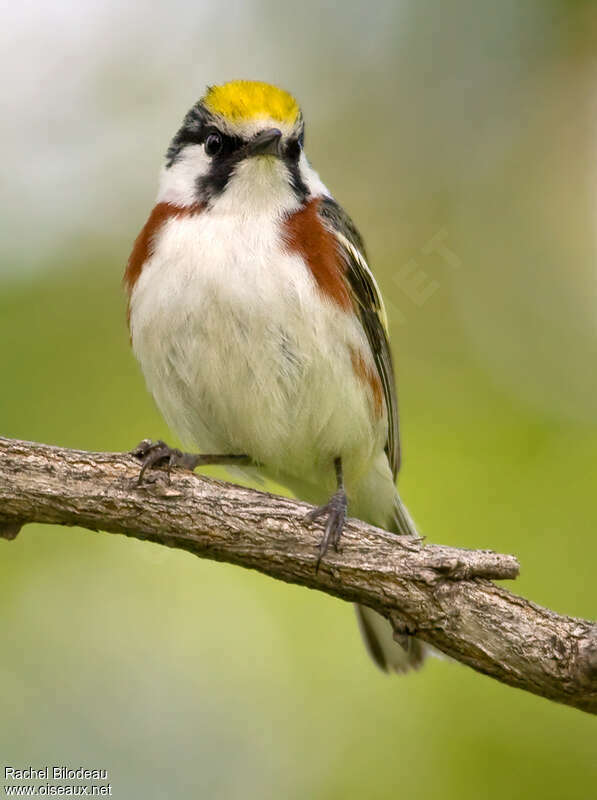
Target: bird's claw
<point>154,453</point>
<point>335,510</point>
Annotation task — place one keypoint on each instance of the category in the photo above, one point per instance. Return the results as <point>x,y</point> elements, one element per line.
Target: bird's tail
<point>389,653</point>
<point>402,521</point>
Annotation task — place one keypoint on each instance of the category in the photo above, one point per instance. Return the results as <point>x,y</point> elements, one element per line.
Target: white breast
<point>242,352</point>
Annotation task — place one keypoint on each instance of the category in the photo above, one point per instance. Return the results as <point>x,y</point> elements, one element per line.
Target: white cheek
<point>311,179</point>
<point>178,183</point>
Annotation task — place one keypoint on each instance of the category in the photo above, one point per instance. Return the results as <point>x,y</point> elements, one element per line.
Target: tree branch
<point>443,593</point>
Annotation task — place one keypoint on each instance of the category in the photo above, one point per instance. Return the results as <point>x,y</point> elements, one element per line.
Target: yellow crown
<point>245,100</point>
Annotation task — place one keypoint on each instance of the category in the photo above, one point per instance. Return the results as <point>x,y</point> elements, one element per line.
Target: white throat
<point>258,185</point>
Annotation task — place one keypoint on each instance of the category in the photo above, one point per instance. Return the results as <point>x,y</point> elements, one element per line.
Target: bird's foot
<point>158,453</point>
<point>153,454</point>
<point>335,510</point>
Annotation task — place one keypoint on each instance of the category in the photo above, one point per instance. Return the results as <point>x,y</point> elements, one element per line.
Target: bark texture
<point>444,594</point>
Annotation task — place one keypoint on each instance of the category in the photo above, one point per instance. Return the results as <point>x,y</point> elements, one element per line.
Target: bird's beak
<point>265,143</point>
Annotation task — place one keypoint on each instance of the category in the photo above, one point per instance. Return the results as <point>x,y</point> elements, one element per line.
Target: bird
<point>260,328</point>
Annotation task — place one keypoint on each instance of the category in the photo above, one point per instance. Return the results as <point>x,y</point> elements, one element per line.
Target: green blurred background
<point>468,124</point>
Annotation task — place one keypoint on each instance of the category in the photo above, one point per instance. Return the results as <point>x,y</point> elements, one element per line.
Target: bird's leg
<point>154,453</point>
<point>335,510</point>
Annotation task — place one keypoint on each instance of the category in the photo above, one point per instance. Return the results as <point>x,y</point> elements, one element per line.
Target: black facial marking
<point>225,152</point>
<point>219,145</point>
<point>292,150</point>
<point>299,187</point>
<point>222,167</point>
<point>291,156</point>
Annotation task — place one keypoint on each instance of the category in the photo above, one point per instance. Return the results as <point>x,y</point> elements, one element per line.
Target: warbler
<point>260,327</point>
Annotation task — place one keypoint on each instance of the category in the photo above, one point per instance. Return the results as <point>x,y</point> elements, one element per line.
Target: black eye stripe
<point>197,126</point>
<point>293,149</point>
<point>229,144</point>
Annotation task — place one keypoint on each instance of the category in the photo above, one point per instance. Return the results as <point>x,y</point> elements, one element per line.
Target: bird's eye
<point>213,144</point>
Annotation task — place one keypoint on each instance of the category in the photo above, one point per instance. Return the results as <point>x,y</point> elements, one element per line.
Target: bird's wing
<point>369,306</point>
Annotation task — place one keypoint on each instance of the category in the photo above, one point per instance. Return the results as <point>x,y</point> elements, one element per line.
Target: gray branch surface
<point>444,594</point>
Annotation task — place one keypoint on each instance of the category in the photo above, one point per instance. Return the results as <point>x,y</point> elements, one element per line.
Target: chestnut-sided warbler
<point>260,328</point>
